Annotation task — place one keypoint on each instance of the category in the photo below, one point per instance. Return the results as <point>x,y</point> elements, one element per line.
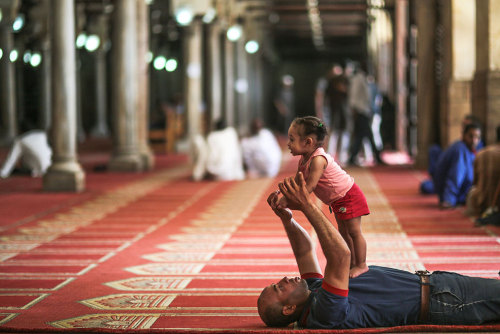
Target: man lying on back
<point>381,297</point>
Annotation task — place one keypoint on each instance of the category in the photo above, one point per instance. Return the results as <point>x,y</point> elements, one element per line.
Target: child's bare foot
<point>357,270</point>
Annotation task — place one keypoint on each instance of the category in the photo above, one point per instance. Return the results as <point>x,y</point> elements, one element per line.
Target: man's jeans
<point>463,300</point>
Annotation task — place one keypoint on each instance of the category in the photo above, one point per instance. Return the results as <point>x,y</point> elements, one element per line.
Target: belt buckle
<point>423,272</point>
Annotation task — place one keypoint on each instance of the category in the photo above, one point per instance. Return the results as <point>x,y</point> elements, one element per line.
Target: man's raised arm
<point>302,245</point>
<point>333,245</point>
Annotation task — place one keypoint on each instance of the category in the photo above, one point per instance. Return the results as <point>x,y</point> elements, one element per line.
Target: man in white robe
<point>224,159</point>
<point>34,151</point>
<point>261,152</point>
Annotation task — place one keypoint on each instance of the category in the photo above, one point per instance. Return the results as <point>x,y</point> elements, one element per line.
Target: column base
<point>148,158</point>
<point>126,163</point>
<point>66,176</point>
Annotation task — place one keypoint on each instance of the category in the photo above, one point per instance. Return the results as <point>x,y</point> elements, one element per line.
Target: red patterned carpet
<point>155,252</point>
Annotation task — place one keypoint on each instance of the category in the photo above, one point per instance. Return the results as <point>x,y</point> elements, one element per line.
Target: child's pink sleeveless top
<point>334,183</point>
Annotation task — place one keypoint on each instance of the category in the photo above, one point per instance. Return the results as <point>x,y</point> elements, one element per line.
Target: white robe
<point>224,159</point>
<point>262,154</point>
<point>199,156</point>
<point>34,151</point>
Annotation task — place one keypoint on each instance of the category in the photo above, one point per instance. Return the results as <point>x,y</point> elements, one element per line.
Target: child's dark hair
<point>311,125</point>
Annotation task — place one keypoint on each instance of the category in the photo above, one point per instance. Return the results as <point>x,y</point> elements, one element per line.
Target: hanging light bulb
<point>234,32</point>
<point>171,65</point>
<point>184,15</point>
<point>27,56</point>
<point>209,15</point>
<point>92,43</point>
<point>159,62</point>
<point>36,59</point>
<point>18,23</point>
<point>252,46</point>
<point>13,55</point>
<point>80,40</point>
<point>241,85</point>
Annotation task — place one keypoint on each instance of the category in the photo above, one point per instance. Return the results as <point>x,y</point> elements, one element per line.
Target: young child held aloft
<point>331,184</point>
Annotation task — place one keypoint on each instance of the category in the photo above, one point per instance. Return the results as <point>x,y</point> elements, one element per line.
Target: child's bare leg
<point>343,230</point>
<point>359,245</point>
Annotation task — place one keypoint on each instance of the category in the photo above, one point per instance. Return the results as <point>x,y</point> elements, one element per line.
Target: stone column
<point>80,131</point>
<point>458,63</point>
<point>401,65</point>
<point>100,128</point>
<point>65,173</point>
<point>486,83</point>
<point>193,80</point>
<point>43,16</point>
<point>126,156</point>
<point>255,72</point>
<point>80,19</point>
<point>143,84</point>
<point>8,84</point>
<point>242,97</point>
<point>229,85</point>
<point>45,103</point>
<point>255,78</point>
<point>427,89</point>
<point>215,72</point>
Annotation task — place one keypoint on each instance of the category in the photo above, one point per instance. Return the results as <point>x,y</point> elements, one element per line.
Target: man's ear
<point>288,309</point>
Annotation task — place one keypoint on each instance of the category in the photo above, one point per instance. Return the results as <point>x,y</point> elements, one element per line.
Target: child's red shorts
<point>352,205</point>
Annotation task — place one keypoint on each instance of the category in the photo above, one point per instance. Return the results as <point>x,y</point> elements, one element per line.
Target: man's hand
<point>272,199</point>
<point>284,213</point>
<point>295,191</point>
<point>282,203</point>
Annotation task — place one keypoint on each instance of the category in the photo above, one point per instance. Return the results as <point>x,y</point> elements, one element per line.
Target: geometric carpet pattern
<point>159,252</point>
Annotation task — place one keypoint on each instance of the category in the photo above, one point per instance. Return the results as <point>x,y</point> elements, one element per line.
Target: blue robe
<point>454,173</point>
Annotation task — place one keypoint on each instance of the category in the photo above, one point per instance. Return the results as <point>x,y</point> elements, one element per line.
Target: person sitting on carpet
<point>453,173</point>
<point>224,159</point>
<point>261,151</point>
<point>218,157</point>
<point>381,297</point>
<point>483,198</point>
<point>32,149</point>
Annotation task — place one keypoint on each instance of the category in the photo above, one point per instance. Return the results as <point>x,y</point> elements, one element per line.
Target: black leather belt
<point>424,294</point>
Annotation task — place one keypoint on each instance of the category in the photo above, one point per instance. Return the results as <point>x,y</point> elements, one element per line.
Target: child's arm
<point>316,169</point>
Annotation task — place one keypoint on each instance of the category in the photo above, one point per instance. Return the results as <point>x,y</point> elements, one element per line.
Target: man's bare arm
<point>333,245</point>
<point>302,245</point>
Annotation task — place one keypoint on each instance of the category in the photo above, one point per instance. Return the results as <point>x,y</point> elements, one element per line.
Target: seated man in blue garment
<point>381,297</point>
<point>435,151</point>
<point>453,172</point>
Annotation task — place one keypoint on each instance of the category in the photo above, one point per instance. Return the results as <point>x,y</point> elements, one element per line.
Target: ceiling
<point>339,32</point>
